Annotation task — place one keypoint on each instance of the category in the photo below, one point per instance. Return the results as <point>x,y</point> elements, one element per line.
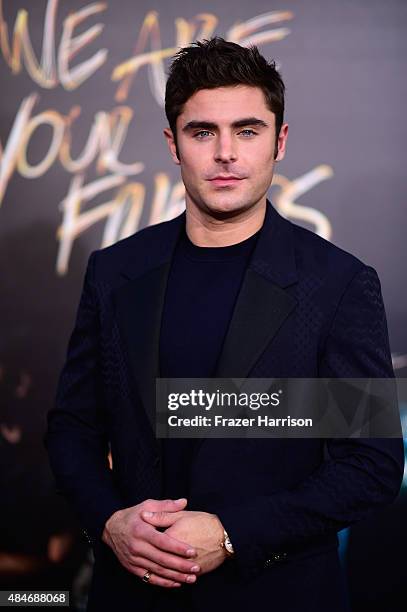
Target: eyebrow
<point>209,125</point>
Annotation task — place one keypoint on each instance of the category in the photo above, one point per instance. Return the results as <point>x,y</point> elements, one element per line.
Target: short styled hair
<point>208,64</point>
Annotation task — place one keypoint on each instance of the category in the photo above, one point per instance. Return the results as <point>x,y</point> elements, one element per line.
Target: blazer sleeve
<point>358,475</point>
<point>76,437</point>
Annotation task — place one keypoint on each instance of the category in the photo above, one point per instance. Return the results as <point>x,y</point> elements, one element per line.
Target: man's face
<point>226,142</point>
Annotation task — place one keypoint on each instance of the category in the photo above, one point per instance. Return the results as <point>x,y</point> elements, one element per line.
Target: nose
<point>225,149</point>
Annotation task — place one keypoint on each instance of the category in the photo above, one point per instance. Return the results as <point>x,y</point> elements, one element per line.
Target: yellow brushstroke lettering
<point>71,78</point>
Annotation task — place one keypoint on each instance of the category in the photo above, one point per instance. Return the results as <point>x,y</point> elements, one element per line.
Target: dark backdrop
<point>83,163</point>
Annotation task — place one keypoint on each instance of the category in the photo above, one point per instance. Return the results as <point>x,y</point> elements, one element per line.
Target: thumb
<point>165,505</point>
<point>161,519</point>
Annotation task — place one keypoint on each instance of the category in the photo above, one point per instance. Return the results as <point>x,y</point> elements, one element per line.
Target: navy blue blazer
<point>305,309</point>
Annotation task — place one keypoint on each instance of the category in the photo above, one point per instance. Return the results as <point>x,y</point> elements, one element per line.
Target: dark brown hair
<point>208,64</point>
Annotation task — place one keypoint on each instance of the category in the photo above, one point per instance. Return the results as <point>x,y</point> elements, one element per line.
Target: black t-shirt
<point>202,289</point>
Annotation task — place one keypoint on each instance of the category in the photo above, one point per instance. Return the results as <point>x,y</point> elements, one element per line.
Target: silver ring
<point>146,576</point>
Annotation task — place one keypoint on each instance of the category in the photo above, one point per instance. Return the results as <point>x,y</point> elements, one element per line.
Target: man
<point>227,289</point>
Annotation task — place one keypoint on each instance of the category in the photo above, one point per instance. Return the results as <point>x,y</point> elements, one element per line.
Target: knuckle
<point>157,541</point>
<point>131,517</point>
<point>168,541</point>
<point>178,565</point>
<point>172,563</point>
<point>136,561</point>
<point>169,574</point>
<point>162,572</point>
<point>137,529</point>
<point>133,570</point>
<point>162,560</point>
<point>179,549</point>
<point>163,582</point>
<point>133,549</point>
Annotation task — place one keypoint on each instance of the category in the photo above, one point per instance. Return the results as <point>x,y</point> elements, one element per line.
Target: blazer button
<point>279,556</point>
<point>275,557</point>
<point>85,533</point>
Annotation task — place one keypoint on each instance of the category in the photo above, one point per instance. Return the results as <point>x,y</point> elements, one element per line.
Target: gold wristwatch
<point>227,545</point>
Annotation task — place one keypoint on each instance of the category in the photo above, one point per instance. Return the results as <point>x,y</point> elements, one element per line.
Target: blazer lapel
<point>260,310</point>
<point>139,304</point>
<point>263,302</point>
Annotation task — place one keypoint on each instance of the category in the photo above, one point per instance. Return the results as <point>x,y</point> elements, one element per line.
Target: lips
<point>225,180</point>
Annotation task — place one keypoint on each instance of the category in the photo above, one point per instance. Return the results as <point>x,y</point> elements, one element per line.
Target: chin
<point>226,207</point>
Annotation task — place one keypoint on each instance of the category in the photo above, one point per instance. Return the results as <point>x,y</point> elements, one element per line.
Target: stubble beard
<point>209,208</point>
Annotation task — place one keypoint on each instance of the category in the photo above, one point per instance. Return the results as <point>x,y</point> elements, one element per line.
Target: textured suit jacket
<point>306,309</point>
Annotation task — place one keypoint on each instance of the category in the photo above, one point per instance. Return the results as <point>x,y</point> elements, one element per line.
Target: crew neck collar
<point>219,253</point>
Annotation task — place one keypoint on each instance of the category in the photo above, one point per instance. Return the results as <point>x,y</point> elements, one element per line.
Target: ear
<point>281,142</point>
<point>171,145</point>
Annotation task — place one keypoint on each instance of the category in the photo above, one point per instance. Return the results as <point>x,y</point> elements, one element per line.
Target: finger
<point>144,532</point>
<point>161,519</point>
<point>164,505</point>
<point>156,580</point>
<point>166,560</point>
<point>164,572</point>
<point>167,543</point>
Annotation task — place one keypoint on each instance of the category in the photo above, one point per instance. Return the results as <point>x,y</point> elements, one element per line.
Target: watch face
<point>228,546</point>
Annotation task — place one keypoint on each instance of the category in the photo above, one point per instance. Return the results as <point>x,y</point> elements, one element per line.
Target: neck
<point>203,229</point>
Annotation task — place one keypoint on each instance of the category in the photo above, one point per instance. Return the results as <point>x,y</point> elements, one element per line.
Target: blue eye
<point>250,132</point>
<point>199,134</point>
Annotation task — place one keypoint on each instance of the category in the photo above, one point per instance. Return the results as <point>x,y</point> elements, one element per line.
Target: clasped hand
<point>189,546</point>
